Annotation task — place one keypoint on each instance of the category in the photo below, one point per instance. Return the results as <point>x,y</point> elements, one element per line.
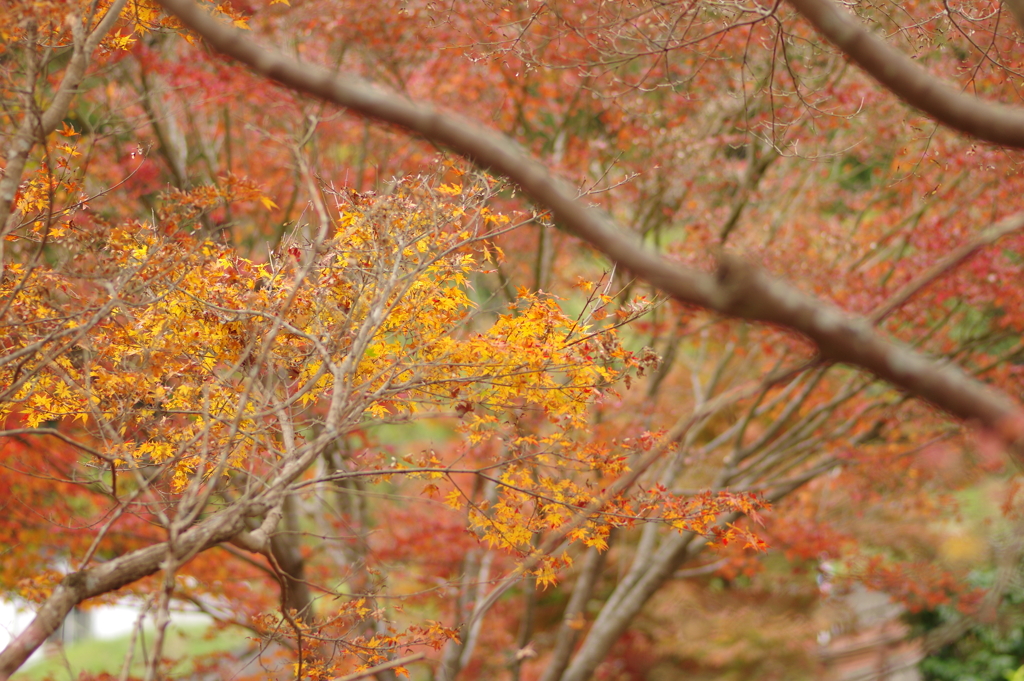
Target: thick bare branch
<point>111,576</point>
<point>628,600</point>
<point>569,629</point>
<point>736,289</point>
<point>910,82</point>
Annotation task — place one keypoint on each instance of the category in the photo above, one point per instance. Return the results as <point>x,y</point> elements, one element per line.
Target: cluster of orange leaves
<point>153,332</point>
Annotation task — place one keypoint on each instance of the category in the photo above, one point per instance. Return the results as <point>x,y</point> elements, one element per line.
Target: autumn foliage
<point>332,384</point>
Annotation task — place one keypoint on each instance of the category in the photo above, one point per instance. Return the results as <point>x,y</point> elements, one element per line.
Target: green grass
<point>182,643</point>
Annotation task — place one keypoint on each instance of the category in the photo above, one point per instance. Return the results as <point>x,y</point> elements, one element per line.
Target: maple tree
<point>206,312</point>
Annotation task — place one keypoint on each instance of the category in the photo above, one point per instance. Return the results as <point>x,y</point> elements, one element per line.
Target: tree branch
<point>110,576</point>
<point>954,259</point>
<point>736,289</point>
<point>910,82</point>
<point>571,626</point>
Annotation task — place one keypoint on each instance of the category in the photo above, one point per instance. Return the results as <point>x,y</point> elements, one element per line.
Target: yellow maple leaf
<point>546,577</point>
<point>122,42</point>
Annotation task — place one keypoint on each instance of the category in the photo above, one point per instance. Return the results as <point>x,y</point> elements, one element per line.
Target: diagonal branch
<point>736,289</point>
<point>950,262</point>
<point>910,82</point>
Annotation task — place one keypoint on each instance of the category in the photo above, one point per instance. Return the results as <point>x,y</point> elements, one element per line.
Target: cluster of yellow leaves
<point>141,17</point>
<point>359,652</point>
<point>530,504</point>
<point>183,208</point>
<point>172,349</point>
<point>46,24</point>
<point>48,198</point>
<point>699,513</point>
<point>552,480</point>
